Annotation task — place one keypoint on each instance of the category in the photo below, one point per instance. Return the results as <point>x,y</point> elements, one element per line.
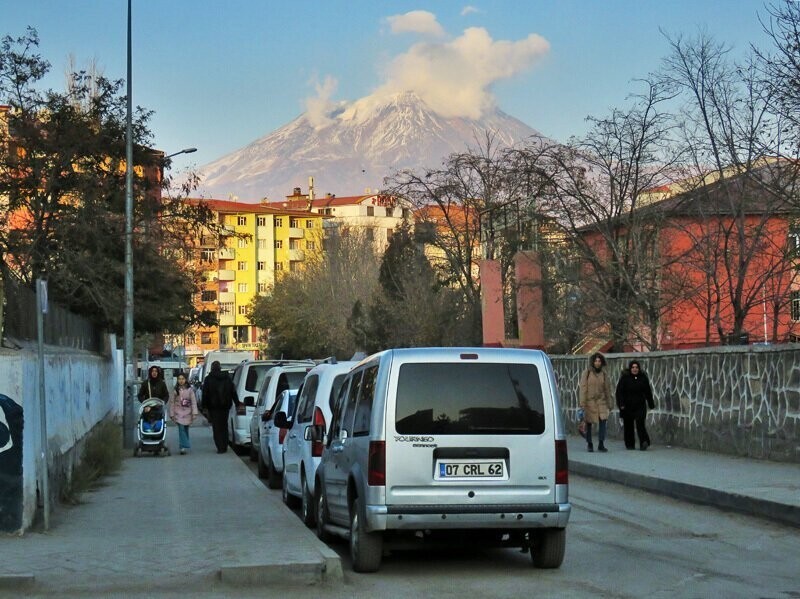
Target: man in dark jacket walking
<point>219,395</point>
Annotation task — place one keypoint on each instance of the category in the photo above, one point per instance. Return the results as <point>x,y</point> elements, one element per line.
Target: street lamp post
<point>128,415</point>
<point>183,151</point>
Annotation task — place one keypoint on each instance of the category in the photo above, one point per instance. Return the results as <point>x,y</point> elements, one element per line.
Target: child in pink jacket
<point>183,410</point>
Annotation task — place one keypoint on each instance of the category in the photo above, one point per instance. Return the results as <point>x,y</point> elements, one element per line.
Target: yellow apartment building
<point>258,244</point>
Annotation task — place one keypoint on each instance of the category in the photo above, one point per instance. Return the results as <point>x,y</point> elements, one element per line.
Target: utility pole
<point>128,416</point>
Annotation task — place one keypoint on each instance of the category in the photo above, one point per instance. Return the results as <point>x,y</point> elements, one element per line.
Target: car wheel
<point>366,548</point>
<point>262,467</point>
<point>321,514</point>
<point>549,545</point>
<point>273,480</point>
<point>289,499</point>
<point>306,504</point>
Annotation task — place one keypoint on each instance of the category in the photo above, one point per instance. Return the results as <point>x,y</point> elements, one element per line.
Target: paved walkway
<point>753,487</point>
<point>172,523</point>
<point>204,522</point>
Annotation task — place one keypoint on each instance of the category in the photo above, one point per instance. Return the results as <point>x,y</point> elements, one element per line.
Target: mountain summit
<point>352,148</point>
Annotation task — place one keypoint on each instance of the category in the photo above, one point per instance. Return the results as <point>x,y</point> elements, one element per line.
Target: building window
<point>278,221</point>
<point>389,233</point>
<point>369,233</point>
<point>263,244</point>
<point>241,333</point>
<point>278,266</point>
<point>406,213</point>
<point>241,265</point>
<point>226,308</point>
<point>294,266</point>
<point>261,266</point>
<point>206,338</point>
<point>310,245</point>
<point>241,220</point>
<point>794,242</point>
<point>263,287</point>
<point>261,221</point>
<point>795,305</point>
<point>292,244</point>
<point>309,224</point>
<point>370,210</point>
<point>207,255</point>
<point>242,243</point>
<point>293,223</point>
<point>208,296</point>
<point>242,287</point>
<point>278,244</point>
<point>242,310</point>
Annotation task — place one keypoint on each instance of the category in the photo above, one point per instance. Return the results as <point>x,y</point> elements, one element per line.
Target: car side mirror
<point>281,420</point>
<point>249,401</point>
<point>314,433</point>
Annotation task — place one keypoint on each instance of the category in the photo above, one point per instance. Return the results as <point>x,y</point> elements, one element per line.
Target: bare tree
<point>739,191</point>
<point>596,187</point>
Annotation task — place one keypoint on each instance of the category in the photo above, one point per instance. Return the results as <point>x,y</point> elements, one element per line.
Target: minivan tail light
<point>282,434</point>
<point>376,476</point>
<point>317,446</point>
<point>562,462</point>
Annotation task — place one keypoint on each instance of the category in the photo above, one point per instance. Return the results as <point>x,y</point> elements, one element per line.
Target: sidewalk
<point>753,487</point>
<point>173,523</point>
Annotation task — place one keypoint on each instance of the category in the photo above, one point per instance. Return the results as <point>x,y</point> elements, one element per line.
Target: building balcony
<point>227,296</point>
<point>226,230</point>
<point>295,233</point>
<point>226,275</point>
<point>296,255</point>
<point>227,320</point>
<point>226,254</point>
<point>208,241</point>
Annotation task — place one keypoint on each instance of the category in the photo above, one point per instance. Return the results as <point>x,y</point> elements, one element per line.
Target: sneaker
<point>602,449</point>
<point>183,451</point>
<point>645,445</point>
<point>590,449</point>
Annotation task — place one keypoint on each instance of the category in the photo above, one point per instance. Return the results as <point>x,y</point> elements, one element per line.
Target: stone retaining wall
<point>742,400</point>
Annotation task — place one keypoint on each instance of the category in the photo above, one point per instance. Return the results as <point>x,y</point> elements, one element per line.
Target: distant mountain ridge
<point>352,149</point>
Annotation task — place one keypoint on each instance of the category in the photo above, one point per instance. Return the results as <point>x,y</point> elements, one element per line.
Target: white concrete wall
<point>81,389</point>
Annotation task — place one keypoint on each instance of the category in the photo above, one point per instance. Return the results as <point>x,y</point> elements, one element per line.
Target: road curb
<point>751,506</point>
<point>16,581</point>
<point>297,573</point>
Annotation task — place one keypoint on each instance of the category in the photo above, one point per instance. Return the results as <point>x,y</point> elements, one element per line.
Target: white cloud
<point>454,78</point>
<point>319,107</point>
<point>416,21</point>
<point>468,10</point>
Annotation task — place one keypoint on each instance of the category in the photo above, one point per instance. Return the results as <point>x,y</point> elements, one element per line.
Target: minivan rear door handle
<point>338,448</point>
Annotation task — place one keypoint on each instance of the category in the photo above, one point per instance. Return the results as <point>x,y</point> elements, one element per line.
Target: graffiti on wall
<point>11,424</point>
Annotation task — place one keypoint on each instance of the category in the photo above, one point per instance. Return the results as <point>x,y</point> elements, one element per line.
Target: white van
<point>434,443</point>
<point>301,455</point>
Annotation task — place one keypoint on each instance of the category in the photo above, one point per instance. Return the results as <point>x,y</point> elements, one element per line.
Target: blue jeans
<point>183,436</point>
<point>601,432</point>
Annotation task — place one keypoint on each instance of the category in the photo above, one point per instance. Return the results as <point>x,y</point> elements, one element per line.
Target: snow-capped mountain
<point>351,149</point>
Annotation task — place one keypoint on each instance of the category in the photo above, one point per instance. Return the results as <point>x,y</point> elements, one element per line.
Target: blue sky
<point>221,73</point>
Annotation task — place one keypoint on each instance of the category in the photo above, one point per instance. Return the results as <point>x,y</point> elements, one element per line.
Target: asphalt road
<point>620,543</point>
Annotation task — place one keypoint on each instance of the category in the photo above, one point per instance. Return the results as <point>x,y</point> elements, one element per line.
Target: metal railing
<point>61,327</point>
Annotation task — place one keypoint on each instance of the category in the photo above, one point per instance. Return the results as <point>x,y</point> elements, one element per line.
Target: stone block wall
<point>738,400</point>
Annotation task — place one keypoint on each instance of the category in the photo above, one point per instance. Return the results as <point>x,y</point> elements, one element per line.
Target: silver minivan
<point>436,443</point>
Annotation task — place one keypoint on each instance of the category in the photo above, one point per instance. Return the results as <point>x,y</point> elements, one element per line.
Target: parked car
<point>430,443</point>
<point>301,455</point>
<point>272,436</point>
<point>277,380</point>
<point>247,378</point>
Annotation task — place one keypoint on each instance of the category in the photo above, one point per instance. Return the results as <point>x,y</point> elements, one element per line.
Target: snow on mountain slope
<point>353,149</point>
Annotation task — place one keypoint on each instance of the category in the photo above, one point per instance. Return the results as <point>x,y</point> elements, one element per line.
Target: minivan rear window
<point>469,399</point>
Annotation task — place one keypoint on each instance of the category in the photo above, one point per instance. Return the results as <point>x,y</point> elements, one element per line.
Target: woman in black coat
<point>634,396</point>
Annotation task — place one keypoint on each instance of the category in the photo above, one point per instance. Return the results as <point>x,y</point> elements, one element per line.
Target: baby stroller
<point>151,429</point>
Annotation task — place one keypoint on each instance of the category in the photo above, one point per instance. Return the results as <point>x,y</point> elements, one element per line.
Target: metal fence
<point>61,327</point>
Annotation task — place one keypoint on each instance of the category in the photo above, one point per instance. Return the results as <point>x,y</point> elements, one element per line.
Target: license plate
<point>471,470</point>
